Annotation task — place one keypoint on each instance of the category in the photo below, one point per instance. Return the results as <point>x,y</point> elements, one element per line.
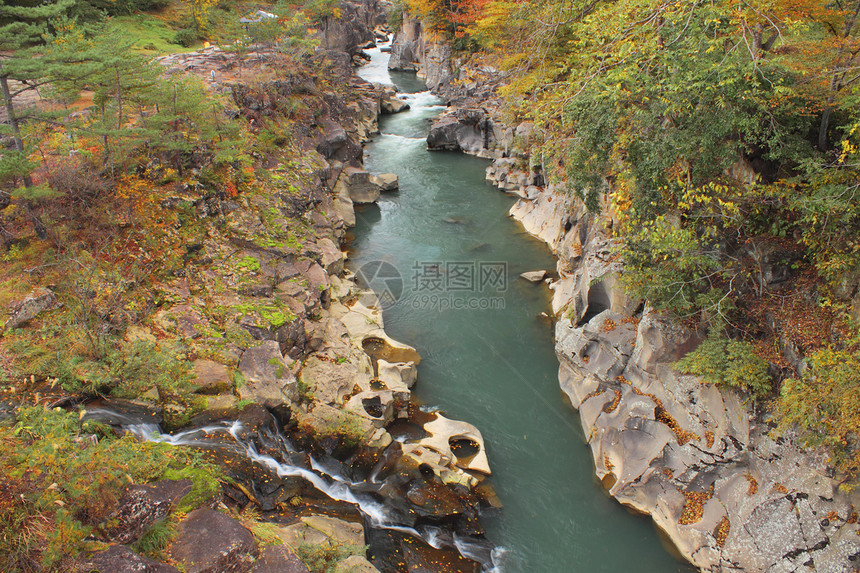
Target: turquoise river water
<point>446,257</point>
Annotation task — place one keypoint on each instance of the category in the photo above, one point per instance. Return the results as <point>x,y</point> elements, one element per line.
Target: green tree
<point>22,25</point>
<point>728,363</point>
<point>123,83</point>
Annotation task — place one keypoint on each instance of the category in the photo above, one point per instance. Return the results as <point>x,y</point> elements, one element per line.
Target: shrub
<point>130,6</point>
<point>125,369</point>
<point>186,37</point>
<point>824,405</point>
<point>324,557</point>
<point>729,363</point>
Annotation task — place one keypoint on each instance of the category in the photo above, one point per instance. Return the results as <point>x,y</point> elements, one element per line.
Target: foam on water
<point>424,100</point>
<point>376,71</point>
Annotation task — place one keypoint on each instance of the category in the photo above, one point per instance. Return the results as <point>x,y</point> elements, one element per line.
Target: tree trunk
<point>38,225</point>
<point>836,80</point>
<point>13,121</point>
<point>825,125</point>
<point>118,101</point>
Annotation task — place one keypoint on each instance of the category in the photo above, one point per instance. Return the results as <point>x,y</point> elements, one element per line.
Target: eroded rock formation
<point>730,494</point>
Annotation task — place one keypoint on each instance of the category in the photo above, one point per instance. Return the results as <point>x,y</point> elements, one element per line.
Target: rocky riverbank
<point>707,467</point>
<point>286,349</point>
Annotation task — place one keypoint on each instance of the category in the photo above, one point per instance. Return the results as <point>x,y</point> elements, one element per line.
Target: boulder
<point>468,130</point>
<point>334,143</point>
<point>433,499</point>
<point>267,377</point>
<point>393,104</point>
<point>595,349</point>
<point>142,505</point>
<point>327,421</point>
<point>445,433</point>
<point>212,377</point>
<point>331,257</point>
<point>446,133</point>
<point>38,301</point>
<point>355,564</point>
<point>437,70</point>
<point>318,279</point>
<point>542,213</point>
<point>331,381</point>
<point>386,181</point>
<point>534,276</point>
<point>397,376</point>
<point>318,529</point>
<point>376,405</point>
<point>278,559</point>
<point>208,541</point>
<point>405,46</point>
<point>361,188</point>
<point>661,339</point>
<point>353,28</point>
<point>120,559</point>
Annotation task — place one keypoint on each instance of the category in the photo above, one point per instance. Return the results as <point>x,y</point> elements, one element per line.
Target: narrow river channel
<point>488,358</point>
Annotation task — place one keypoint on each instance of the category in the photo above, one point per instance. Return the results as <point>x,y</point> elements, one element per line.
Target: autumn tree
<point>453,18</point>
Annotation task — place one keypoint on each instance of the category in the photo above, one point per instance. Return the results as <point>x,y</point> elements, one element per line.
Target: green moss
<point>275,315</point>
<point>305,389</point>
<point>205,484</point>
<point>238,379</point>
<point>250,263</point>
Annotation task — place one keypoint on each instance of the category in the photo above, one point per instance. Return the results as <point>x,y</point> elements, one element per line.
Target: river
<point>445,251</point>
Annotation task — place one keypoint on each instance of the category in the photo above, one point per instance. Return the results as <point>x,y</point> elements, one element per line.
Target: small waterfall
<point>376,71</point>
<point>425,100</point>
<point>232,434</point>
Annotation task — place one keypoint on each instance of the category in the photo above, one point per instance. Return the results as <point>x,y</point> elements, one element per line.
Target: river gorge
<point>373,314</point>
<point>487,355</point>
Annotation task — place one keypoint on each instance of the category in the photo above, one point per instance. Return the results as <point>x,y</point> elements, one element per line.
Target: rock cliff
<point>707,467</point>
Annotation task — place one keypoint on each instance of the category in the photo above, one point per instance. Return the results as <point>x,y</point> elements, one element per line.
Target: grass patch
<point>60,479</point>
<point>151,35</point>
<point>323,558</point>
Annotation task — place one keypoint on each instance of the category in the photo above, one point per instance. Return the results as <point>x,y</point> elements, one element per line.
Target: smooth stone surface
<point>208,541</point>
<point>355,564</point>
<point>212,377</point>
<point>361,187</point>
<point>278,559</point>
<point>267,377</point>
<point>120,559</point>
<point>386,181</point>
<point>443,430</point>
<point>319,529</point>
<point>534,276</point>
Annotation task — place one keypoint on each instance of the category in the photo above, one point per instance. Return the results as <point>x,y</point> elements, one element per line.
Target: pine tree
<point>22,26</point>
